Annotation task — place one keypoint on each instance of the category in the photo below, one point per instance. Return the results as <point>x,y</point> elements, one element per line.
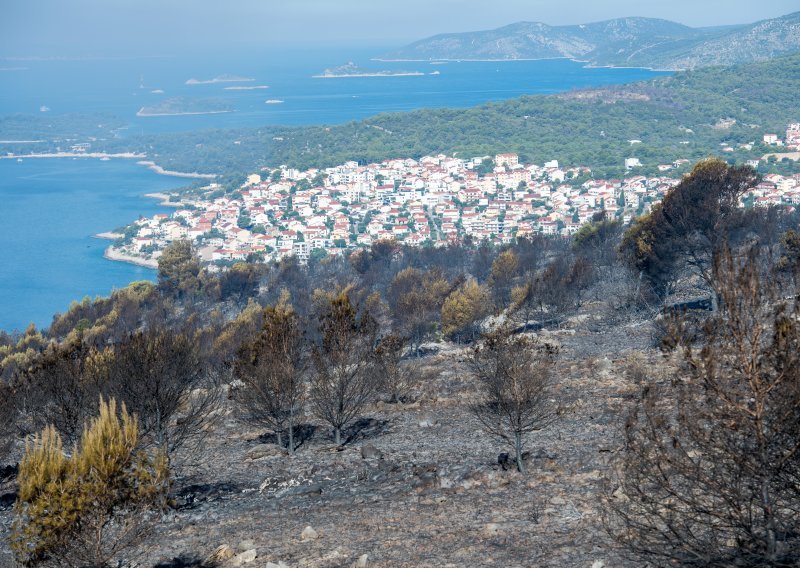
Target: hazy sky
<point>67,27</point>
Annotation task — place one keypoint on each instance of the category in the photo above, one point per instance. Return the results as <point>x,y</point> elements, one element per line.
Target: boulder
<point>221,554</point>
<point>370,452</point>
<point>308,534</point>
<point>245,557</point>
<point>504,461</point>
<point>427,420</point>
<point>361,562</point>
<point>263,451</point>
<point>245,545</point>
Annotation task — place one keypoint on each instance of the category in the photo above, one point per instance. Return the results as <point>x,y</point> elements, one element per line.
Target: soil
<point>418,484</point>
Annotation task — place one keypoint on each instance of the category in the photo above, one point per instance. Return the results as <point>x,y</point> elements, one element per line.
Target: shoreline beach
<point>108,236</point>
<point>113,254</point>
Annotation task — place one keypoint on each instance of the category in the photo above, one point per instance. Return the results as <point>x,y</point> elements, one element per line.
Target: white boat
<point>19,159</point>
<point>273,102</point>
<point>44,108</point>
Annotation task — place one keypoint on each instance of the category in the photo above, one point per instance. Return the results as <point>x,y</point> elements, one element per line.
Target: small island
<point>352,70</point>
<point>178,106</point>
<point>246,88</point>
<point>220,79</point>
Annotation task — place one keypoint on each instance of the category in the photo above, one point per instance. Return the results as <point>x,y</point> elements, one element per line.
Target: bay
<point>51,208</point>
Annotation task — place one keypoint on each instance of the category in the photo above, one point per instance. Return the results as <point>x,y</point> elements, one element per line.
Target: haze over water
<point>123,86</point>
<point>51,208</point>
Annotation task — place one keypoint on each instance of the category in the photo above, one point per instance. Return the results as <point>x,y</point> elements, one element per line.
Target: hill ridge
<point>631,41</point>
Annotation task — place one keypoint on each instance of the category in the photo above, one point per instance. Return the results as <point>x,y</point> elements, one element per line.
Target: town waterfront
<point>53,207</point>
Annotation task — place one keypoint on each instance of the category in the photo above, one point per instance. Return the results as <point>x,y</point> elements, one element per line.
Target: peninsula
<point>164,172</point>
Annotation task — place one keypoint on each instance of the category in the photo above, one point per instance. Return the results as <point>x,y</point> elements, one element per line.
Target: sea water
<point>49,209</point>
<point>123,86</point>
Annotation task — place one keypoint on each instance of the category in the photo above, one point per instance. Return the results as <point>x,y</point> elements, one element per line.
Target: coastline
<point>109,236</point>
<point>164,199</point>
<point>654,69</point>
<point>159,170</point>
<point>587,64</point>
<point>113,254</point>
<point>142,113</point>
<point>474,60</point>
<point>410,74</point>
<point>101,155</point>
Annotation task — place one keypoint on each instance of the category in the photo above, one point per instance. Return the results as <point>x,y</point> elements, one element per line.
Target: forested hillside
<point>528,399</point>
<point>688,115</point>
<point>644,42</point>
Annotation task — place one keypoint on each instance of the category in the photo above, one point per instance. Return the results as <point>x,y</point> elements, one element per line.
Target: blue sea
<point>50,211</point>
<point>51,208</point>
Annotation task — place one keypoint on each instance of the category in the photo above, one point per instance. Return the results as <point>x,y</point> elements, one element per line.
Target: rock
<point>504,461</point>
<point>598,564</point>
<point>221,554</point>
<point>543,454</point>
<point>370,452</point>
<point>263,451</point>
<point>304,490</point>
<point>245,545</point>
<point>426,480</point>
<point>491,529</point>
<point>280,564</point>
<point>244,558</point>
<point>427,420</point>
<point>558,501</point>
<point>309,534</point>
<point>434,500</point>
<point>361,562</point>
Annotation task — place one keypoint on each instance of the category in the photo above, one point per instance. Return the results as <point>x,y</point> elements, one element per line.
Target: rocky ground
<point>419,484</point>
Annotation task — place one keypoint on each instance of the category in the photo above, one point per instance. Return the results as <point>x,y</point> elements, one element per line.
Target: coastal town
<point>432,201</point>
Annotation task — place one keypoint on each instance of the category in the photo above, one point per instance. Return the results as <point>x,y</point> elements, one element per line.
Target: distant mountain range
<point>633,42</point>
